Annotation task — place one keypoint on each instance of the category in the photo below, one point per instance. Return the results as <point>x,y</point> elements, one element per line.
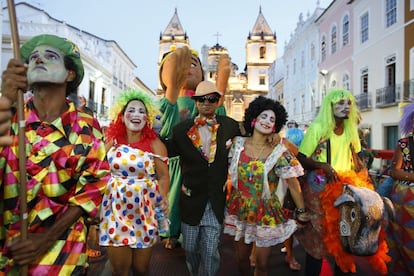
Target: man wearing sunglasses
<point>203,144</point>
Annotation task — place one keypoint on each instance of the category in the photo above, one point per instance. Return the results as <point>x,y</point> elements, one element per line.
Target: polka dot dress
<point>127,211</point>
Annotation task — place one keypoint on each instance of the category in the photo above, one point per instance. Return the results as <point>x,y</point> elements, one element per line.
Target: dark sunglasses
<point>210,99</point>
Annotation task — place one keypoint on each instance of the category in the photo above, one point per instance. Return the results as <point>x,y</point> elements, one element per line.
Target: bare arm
<point>161,169</point>
<point>396,170</point>
<point>302,216</point>
<point>310,164</point>
<point>108,145</point>
<point>296,192</point>
<point>291,147</point>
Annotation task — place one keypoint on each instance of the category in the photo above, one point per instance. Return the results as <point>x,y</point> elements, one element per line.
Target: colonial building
<point>365,46</point>
<point>171,38</point>
<point>261,52</point>
<point>276,81</point>
<point>302,96</point>
<point>378,67</point>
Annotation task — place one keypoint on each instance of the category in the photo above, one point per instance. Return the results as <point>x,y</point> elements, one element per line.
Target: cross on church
<point>217,36</point>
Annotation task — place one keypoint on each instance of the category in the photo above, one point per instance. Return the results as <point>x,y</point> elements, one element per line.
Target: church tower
<point>173,37</point>
<point>261,47</point>
<point>212,60</point>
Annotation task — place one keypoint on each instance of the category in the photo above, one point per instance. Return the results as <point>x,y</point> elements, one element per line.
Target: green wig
<point>129,95</point>
<point>326,117</point>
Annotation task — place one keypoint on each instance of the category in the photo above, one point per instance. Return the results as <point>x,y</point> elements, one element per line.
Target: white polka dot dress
<point>127,211</point>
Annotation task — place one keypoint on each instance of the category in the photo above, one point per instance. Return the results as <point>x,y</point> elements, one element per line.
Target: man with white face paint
<point>66,165</point>
<point>46,64</point>
<point>341,108</point>
<point>326,146</point>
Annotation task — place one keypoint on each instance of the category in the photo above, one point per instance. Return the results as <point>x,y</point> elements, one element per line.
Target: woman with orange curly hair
<point>139,174</point>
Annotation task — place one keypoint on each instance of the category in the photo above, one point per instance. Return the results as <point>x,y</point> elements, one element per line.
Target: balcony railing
<point>364,101</point>
<point>99,110</point>
<point>408,94</point>
<point>388,96</point>
<point>104,110</point>
<point>93,106</point>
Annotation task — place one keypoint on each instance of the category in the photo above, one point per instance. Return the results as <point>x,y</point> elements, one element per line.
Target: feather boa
<point>330,224</point>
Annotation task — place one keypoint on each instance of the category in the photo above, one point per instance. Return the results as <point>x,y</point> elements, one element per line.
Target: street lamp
<point>324,73</point>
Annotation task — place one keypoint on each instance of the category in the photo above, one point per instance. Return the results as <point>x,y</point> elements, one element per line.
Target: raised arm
<point>223,74</point>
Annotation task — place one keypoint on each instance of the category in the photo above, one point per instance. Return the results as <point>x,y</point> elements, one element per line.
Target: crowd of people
<point>209,173</point>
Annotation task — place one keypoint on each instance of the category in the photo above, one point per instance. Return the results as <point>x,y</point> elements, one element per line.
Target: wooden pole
<point>21,132</point>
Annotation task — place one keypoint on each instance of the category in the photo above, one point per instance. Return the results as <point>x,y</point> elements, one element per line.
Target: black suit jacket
<point>204,181</point>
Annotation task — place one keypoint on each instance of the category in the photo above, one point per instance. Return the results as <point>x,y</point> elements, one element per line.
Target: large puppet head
<point>196,74</point>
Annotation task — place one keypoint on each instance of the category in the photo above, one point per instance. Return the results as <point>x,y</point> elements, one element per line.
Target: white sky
<point>136,24</point>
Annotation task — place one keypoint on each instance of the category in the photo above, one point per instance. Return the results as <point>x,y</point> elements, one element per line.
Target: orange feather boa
<point>330,224</point>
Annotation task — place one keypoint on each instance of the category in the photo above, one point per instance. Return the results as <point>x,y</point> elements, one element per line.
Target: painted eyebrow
<point>194,59</point>
<point>47,51</point>
<point>53,52</point>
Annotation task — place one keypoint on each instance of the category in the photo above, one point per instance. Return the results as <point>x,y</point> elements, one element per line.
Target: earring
<point>253,123</point>
<point>71,76</point>
<point>274,129</point>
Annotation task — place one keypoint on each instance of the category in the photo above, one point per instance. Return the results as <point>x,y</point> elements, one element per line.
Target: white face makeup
<point>135,116</point>
<point>342,108</point>
<point>265,122</point>
<point>46,64</point>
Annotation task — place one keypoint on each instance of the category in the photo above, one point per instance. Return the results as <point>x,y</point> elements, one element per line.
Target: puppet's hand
<point>223,73</point>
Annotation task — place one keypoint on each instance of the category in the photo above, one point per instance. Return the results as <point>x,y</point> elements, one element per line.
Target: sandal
<point>92,253</point>
<point>293,264</point>
<point>171,243</point>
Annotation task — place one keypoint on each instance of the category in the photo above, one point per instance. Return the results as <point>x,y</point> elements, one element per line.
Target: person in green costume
<point>180,72</point>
